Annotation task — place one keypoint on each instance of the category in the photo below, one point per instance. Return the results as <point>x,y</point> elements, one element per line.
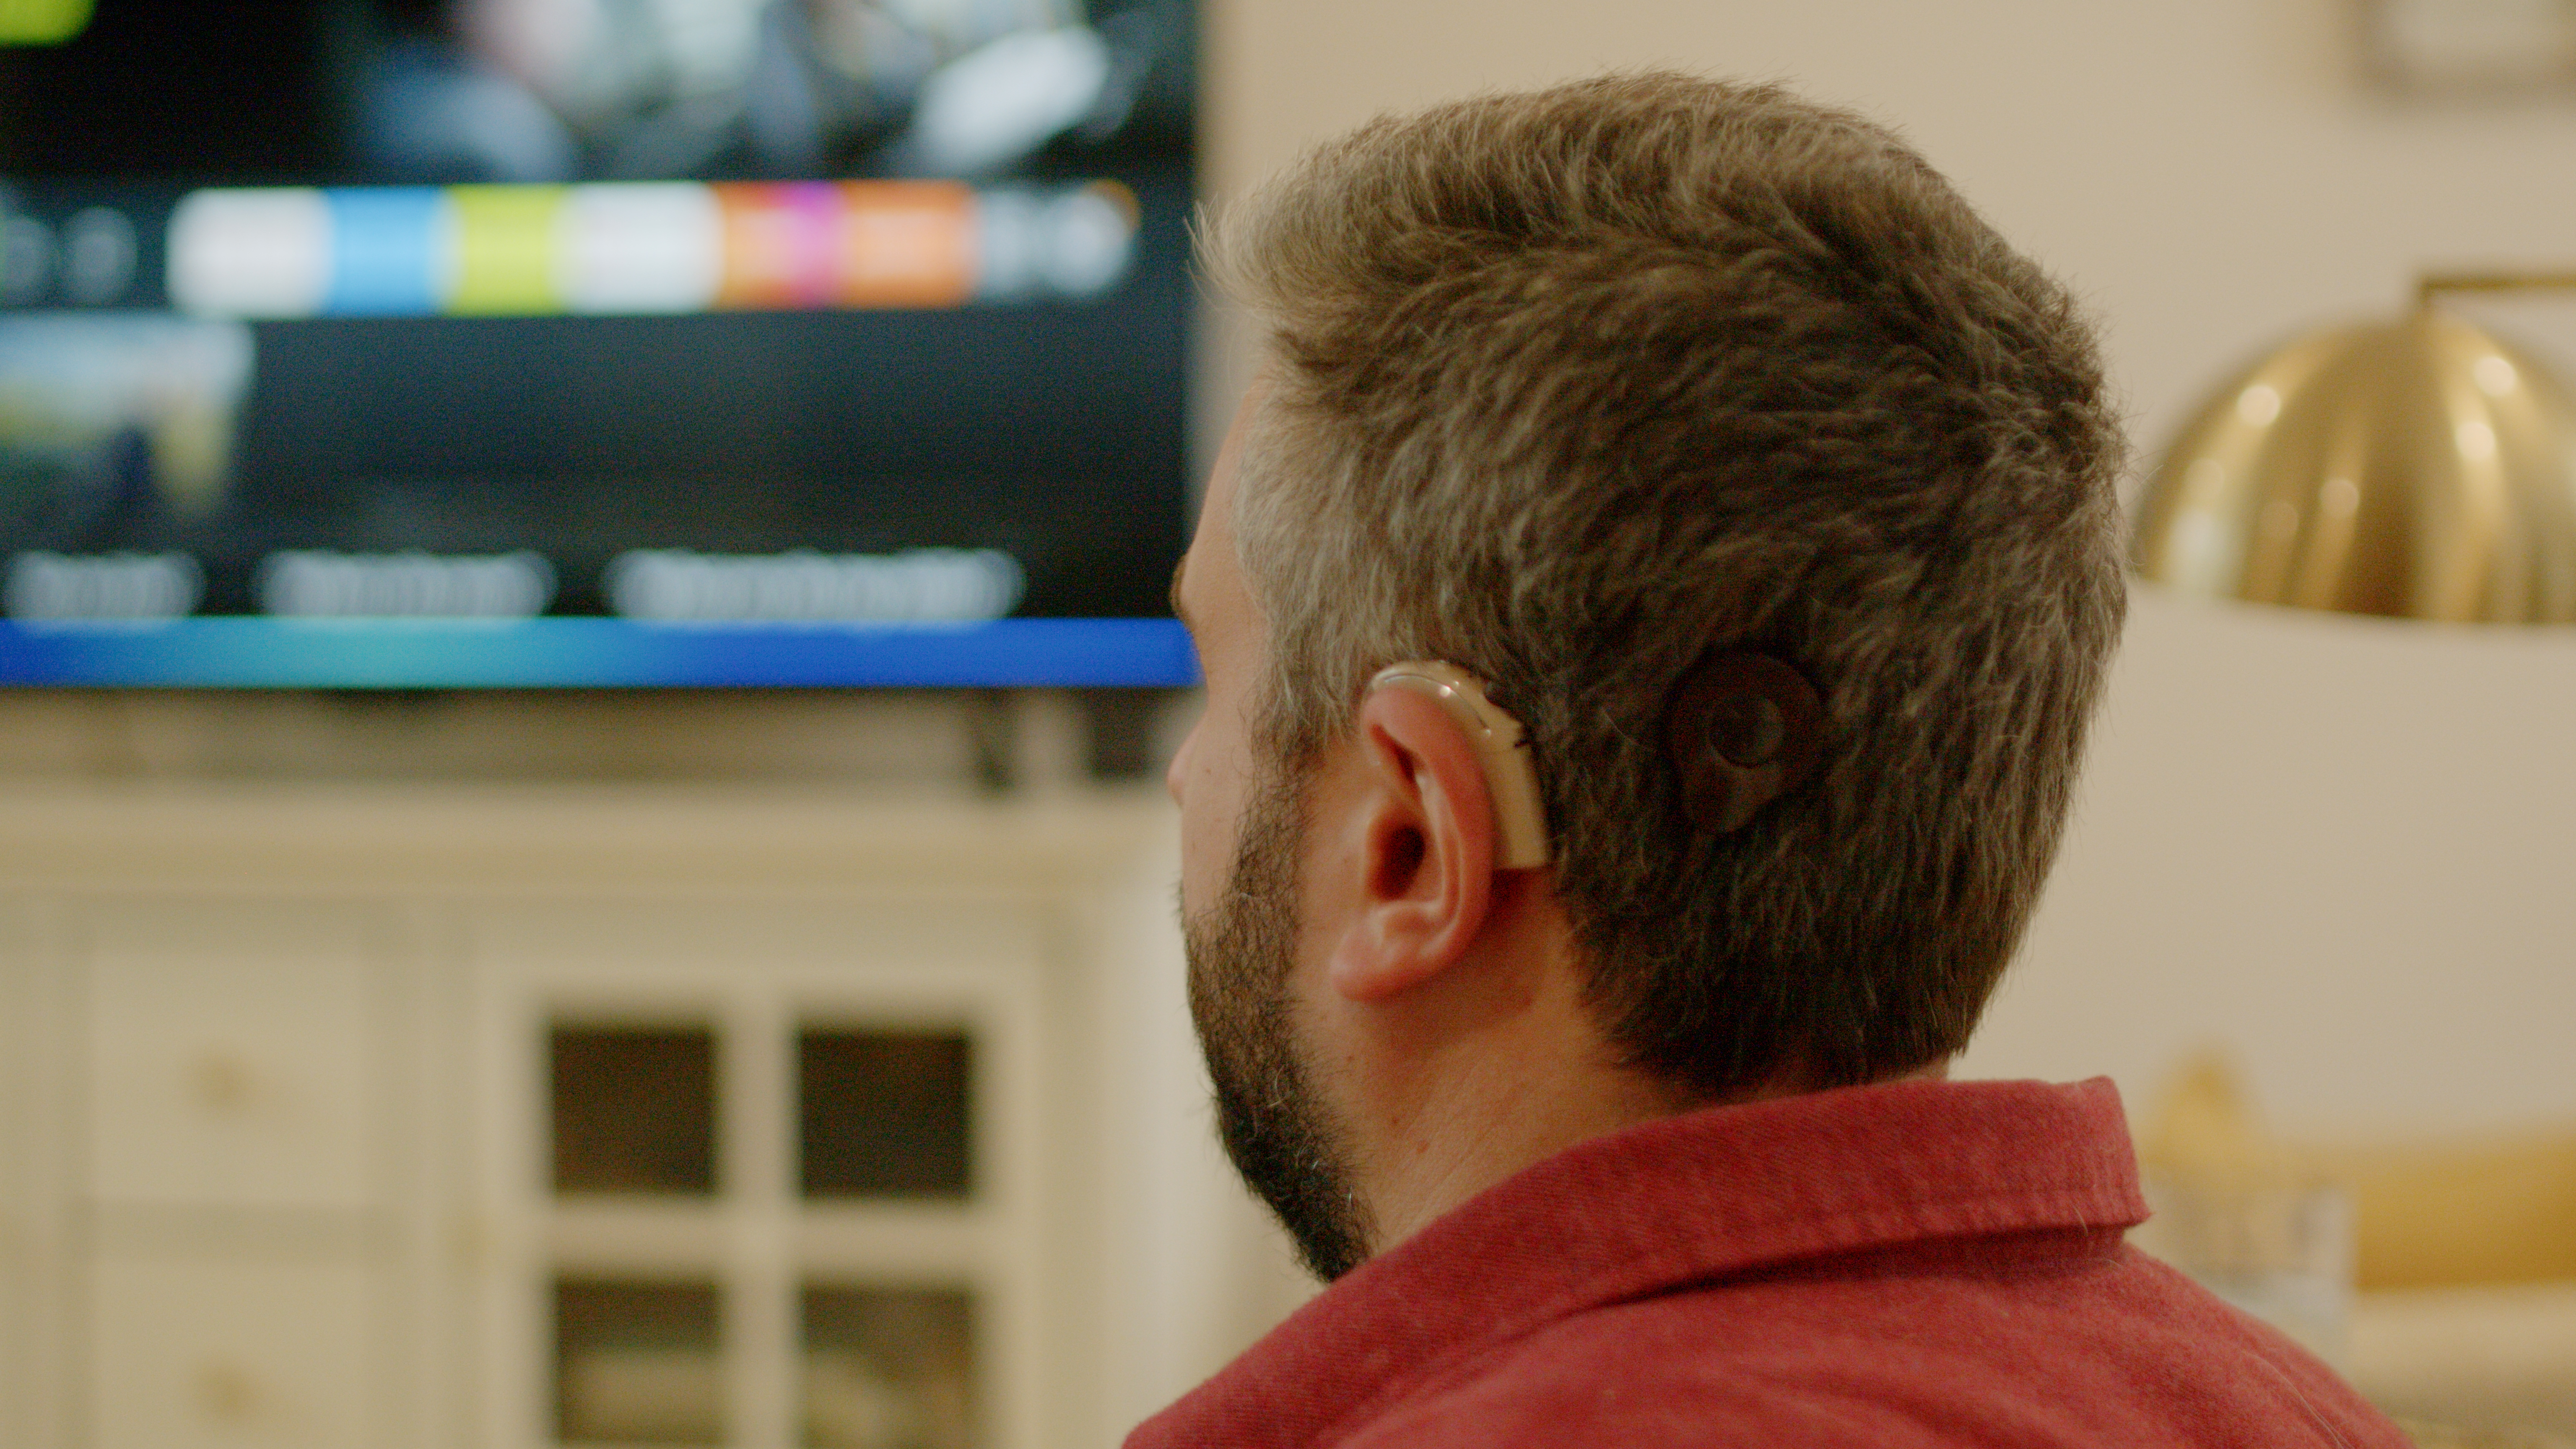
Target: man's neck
<point>1492,1126</point>
<point>1479,1074</point>
<point>1496,1101</point>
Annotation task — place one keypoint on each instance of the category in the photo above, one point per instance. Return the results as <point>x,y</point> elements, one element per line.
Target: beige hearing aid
<point>1502,747</point>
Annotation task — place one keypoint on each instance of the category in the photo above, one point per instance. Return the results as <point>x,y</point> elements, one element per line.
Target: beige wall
<point>2208,172</point>
<point>2347,848</point>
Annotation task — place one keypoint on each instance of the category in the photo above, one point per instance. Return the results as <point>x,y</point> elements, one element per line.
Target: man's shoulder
<point>2130,1354</point>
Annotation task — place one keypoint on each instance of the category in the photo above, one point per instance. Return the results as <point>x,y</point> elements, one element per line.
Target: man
<point>1651,606</point>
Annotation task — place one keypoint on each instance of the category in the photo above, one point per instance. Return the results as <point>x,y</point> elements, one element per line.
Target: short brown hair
<point>1571,386</point>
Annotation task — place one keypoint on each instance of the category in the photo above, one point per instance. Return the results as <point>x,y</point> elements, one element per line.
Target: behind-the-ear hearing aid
<point>1743,729</point>
<point>1502,747</point>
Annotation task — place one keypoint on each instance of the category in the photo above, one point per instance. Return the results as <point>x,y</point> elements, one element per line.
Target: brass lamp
<point>2422,469</point>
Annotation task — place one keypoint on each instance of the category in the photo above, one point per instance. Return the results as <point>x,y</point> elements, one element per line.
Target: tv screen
<point>351,343</point>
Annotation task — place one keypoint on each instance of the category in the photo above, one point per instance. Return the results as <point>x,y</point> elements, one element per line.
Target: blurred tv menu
<point>685,311</point>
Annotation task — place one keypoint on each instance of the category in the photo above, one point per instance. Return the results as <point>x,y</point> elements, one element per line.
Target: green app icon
<point>41,22</point>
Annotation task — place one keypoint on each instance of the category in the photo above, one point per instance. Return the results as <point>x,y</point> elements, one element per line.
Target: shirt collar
<point>1677,1200</point>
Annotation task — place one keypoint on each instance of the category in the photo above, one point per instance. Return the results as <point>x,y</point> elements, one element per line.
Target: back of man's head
<point>1570,388</point>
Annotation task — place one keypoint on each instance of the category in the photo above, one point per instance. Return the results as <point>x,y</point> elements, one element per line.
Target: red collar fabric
<point>1701,1196</point>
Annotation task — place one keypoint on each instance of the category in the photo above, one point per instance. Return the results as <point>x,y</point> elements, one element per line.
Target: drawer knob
<point>225,1083</point>
<point>227,1392</point>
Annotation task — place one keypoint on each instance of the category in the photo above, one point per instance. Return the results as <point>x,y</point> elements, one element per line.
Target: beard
<point>1276,1130</point>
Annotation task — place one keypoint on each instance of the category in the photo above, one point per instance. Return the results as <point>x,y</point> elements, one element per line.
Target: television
<point>454,343</point>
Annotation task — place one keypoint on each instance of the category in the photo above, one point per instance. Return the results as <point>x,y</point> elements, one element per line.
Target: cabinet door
<point>821,1125</point>
<point>235,1055</point>
<point>233,1354</point>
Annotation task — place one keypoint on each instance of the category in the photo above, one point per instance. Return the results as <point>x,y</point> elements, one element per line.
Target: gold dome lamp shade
<point>2422,468</point>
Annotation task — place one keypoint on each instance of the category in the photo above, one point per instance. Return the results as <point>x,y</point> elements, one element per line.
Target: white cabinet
<point>849,1102</point>
<point>411,1119</point>
<point>235,1351</point>
<point>235,1055</point>
<point>235,1069</point>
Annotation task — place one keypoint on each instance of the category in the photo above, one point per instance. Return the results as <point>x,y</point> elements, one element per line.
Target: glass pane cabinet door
<point>638,1363</point>
<point>863,1186</point>
<point>634,1110</point>
<point>888,1368</point>
<point>885,1114</point>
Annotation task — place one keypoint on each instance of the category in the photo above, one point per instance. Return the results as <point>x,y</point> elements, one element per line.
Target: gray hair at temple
<point>1567,388</point>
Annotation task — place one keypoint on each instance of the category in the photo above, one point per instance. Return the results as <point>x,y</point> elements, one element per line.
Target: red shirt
<point>1916,1264</point>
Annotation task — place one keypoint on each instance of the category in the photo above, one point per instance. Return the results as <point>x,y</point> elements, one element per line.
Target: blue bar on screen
<point>583,653</point>
<point>384,251</point>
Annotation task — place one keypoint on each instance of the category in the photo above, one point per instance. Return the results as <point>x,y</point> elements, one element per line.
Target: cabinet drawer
<point>235,1056</point>
<point>238,1353</point>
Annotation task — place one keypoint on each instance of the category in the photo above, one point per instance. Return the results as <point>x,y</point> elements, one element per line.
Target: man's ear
<point>1427,844</point>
